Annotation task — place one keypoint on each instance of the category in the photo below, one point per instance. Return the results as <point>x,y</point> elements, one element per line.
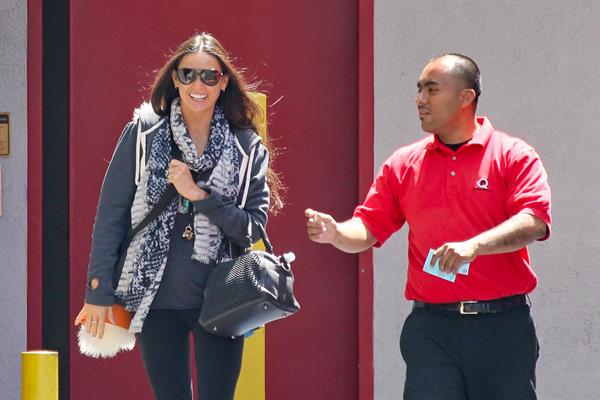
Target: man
<point>473,198</point>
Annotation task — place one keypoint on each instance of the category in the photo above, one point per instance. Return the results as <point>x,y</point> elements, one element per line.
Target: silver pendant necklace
<point>188,232</point>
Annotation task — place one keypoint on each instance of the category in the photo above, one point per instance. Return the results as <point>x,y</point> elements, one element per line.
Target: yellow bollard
<point>39,375</point>
<point>261,125</point>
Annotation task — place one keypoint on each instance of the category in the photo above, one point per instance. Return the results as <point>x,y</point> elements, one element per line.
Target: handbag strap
<point>261,228</point>
<point>265,238</point>
<point>245,175</point>
<point>169,193</point>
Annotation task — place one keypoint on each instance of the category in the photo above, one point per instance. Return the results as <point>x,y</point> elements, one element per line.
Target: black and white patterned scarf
<point>147,254</point>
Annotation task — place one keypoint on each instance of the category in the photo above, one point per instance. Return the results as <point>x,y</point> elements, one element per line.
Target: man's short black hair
<point>467,69</point>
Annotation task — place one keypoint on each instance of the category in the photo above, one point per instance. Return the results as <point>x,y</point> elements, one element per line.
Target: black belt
<point>477,307</point>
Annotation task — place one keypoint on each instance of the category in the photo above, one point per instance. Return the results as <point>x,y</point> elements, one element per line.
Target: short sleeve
<point>528,189</point>
<point>380,212</point>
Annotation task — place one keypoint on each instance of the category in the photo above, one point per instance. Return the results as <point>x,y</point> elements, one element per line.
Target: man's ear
<point>467,97</point>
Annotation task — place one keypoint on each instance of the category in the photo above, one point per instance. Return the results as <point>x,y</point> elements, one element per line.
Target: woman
<point>199,110</point>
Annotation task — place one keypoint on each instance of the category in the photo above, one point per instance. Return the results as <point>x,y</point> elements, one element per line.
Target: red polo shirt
<point>448,196</point>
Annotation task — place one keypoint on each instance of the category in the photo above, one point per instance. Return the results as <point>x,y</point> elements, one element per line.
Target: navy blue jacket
<point>113,215</point>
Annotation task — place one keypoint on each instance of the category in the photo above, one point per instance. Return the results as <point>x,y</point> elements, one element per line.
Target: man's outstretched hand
<point>321,227</point>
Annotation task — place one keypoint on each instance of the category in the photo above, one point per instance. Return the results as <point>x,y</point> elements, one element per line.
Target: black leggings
<point>165,348</point>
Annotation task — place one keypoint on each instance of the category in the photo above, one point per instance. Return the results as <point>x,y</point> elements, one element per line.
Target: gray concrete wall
<point>540,62</point>
<point>13,224</point>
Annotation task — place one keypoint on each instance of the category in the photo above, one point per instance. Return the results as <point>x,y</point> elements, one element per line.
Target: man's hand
<point>453,255</point>
<point>511,235</point>
<point>321,228</point>
<point>180,176</point>
<point>351,236</point>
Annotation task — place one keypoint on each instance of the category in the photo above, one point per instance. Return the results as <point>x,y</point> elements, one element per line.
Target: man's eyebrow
<point>427,83</point>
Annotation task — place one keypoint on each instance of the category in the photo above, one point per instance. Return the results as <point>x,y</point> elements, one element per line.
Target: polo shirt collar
<point>481,138</point>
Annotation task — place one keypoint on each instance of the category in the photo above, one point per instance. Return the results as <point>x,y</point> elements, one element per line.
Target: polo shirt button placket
<point>452,180</point>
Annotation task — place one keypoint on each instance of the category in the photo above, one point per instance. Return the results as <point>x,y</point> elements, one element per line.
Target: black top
<point>183,281</point>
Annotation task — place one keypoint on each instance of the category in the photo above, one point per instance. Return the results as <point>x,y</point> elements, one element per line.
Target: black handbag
<point>248,292</point>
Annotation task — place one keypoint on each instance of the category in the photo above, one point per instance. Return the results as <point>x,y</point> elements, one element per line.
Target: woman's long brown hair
<point>239,109</point>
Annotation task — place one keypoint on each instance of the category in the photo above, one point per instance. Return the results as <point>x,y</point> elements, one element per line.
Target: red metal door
<point>306,52</point>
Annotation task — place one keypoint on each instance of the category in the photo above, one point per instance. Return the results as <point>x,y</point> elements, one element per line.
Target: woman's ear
<point>224,82</point>
<point>174,79</point>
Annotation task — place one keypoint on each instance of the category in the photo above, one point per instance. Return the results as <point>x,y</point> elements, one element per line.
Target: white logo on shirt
<point>482,183</point>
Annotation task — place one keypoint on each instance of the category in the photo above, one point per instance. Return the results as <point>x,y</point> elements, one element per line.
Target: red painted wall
<point>34,174</point>
<point>308,54</point>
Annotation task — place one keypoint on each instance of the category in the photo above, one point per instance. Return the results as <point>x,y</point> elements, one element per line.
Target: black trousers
<point>165,348</point>
<point>469,357</point>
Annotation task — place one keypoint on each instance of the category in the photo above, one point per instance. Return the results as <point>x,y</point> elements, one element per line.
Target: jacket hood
<point>145,113</point>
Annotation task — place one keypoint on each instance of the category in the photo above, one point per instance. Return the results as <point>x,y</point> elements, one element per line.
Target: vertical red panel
<point>307,53</point>
<point>34,174</point>
<point>311,54</point>
<point>366,108</point>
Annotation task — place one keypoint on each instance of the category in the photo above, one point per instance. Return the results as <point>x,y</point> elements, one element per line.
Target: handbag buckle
<point>462,308</point>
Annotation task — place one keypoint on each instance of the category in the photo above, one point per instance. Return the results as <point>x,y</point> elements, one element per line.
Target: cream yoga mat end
<point>116,338</point>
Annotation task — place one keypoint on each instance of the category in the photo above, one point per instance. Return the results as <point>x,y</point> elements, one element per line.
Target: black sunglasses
<point>210,77</point>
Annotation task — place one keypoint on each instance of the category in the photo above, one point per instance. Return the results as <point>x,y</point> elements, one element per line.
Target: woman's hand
<point>180,176</point>
<point>94,317</point>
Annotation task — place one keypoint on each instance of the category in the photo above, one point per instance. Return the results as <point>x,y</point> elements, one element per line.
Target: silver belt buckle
<point>462,308</point>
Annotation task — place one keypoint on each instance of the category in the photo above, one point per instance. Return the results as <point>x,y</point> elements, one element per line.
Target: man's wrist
<point>476,245</point>
<point>336,242</point>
